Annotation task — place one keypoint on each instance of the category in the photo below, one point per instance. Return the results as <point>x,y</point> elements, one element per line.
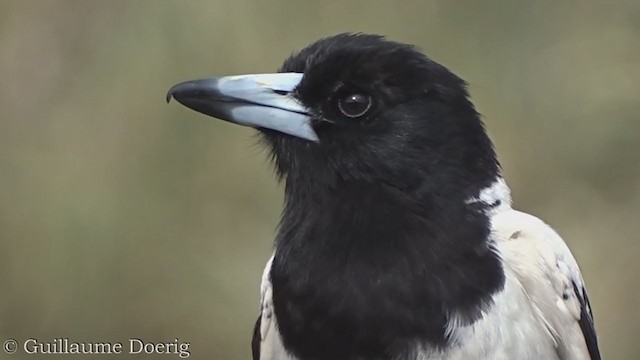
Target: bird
<point>397,239</point>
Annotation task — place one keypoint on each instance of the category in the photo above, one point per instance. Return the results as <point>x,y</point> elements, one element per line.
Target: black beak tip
<point>170,94</point>
<point>195,89</point>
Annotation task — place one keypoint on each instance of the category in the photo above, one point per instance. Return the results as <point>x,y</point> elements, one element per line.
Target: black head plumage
<point>420,128</point>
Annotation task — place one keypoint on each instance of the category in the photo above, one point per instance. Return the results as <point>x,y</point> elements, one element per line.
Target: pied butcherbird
<point>397,240</point>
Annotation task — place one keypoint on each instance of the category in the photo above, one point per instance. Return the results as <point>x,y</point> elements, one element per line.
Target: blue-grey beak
<point>258,100</point>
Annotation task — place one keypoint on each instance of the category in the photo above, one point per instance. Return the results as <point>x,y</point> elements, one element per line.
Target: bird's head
<point>358,107</point>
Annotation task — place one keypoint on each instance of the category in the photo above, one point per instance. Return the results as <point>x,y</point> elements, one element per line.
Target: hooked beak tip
<point>170,94</point>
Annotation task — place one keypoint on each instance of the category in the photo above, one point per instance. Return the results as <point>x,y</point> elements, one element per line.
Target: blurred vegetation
<point>123,217</point>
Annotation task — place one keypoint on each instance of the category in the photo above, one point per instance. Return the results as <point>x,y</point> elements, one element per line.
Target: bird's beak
<point>259,101</point>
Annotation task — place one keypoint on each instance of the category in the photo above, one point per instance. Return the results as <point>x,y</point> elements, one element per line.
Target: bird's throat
<point>365,263</point>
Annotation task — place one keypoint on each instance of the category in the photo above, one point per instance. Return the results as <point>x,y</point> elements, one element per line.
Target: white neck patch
<point>497,196</point>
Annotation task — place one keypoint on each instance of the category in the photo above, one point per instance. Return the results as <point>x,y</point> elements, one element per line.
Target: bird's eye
<point>354,104</point>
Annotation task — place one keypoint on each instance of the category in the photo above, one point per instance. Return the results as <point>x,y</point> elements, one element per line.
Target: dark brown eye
<point>354,104</point>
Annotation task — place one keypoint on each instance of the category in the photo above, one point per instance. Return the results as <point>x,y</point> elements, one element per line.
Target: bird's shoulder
<point>549,275</point>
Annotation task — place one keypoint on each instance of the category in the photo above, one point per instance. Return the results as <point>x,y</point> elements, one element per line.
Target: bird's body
<point>536,315</point>
<point>397,239</point>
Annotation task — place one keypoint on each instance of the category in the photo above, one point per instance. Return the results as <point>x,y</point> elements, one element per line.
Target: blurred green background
<point>121,216</point>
